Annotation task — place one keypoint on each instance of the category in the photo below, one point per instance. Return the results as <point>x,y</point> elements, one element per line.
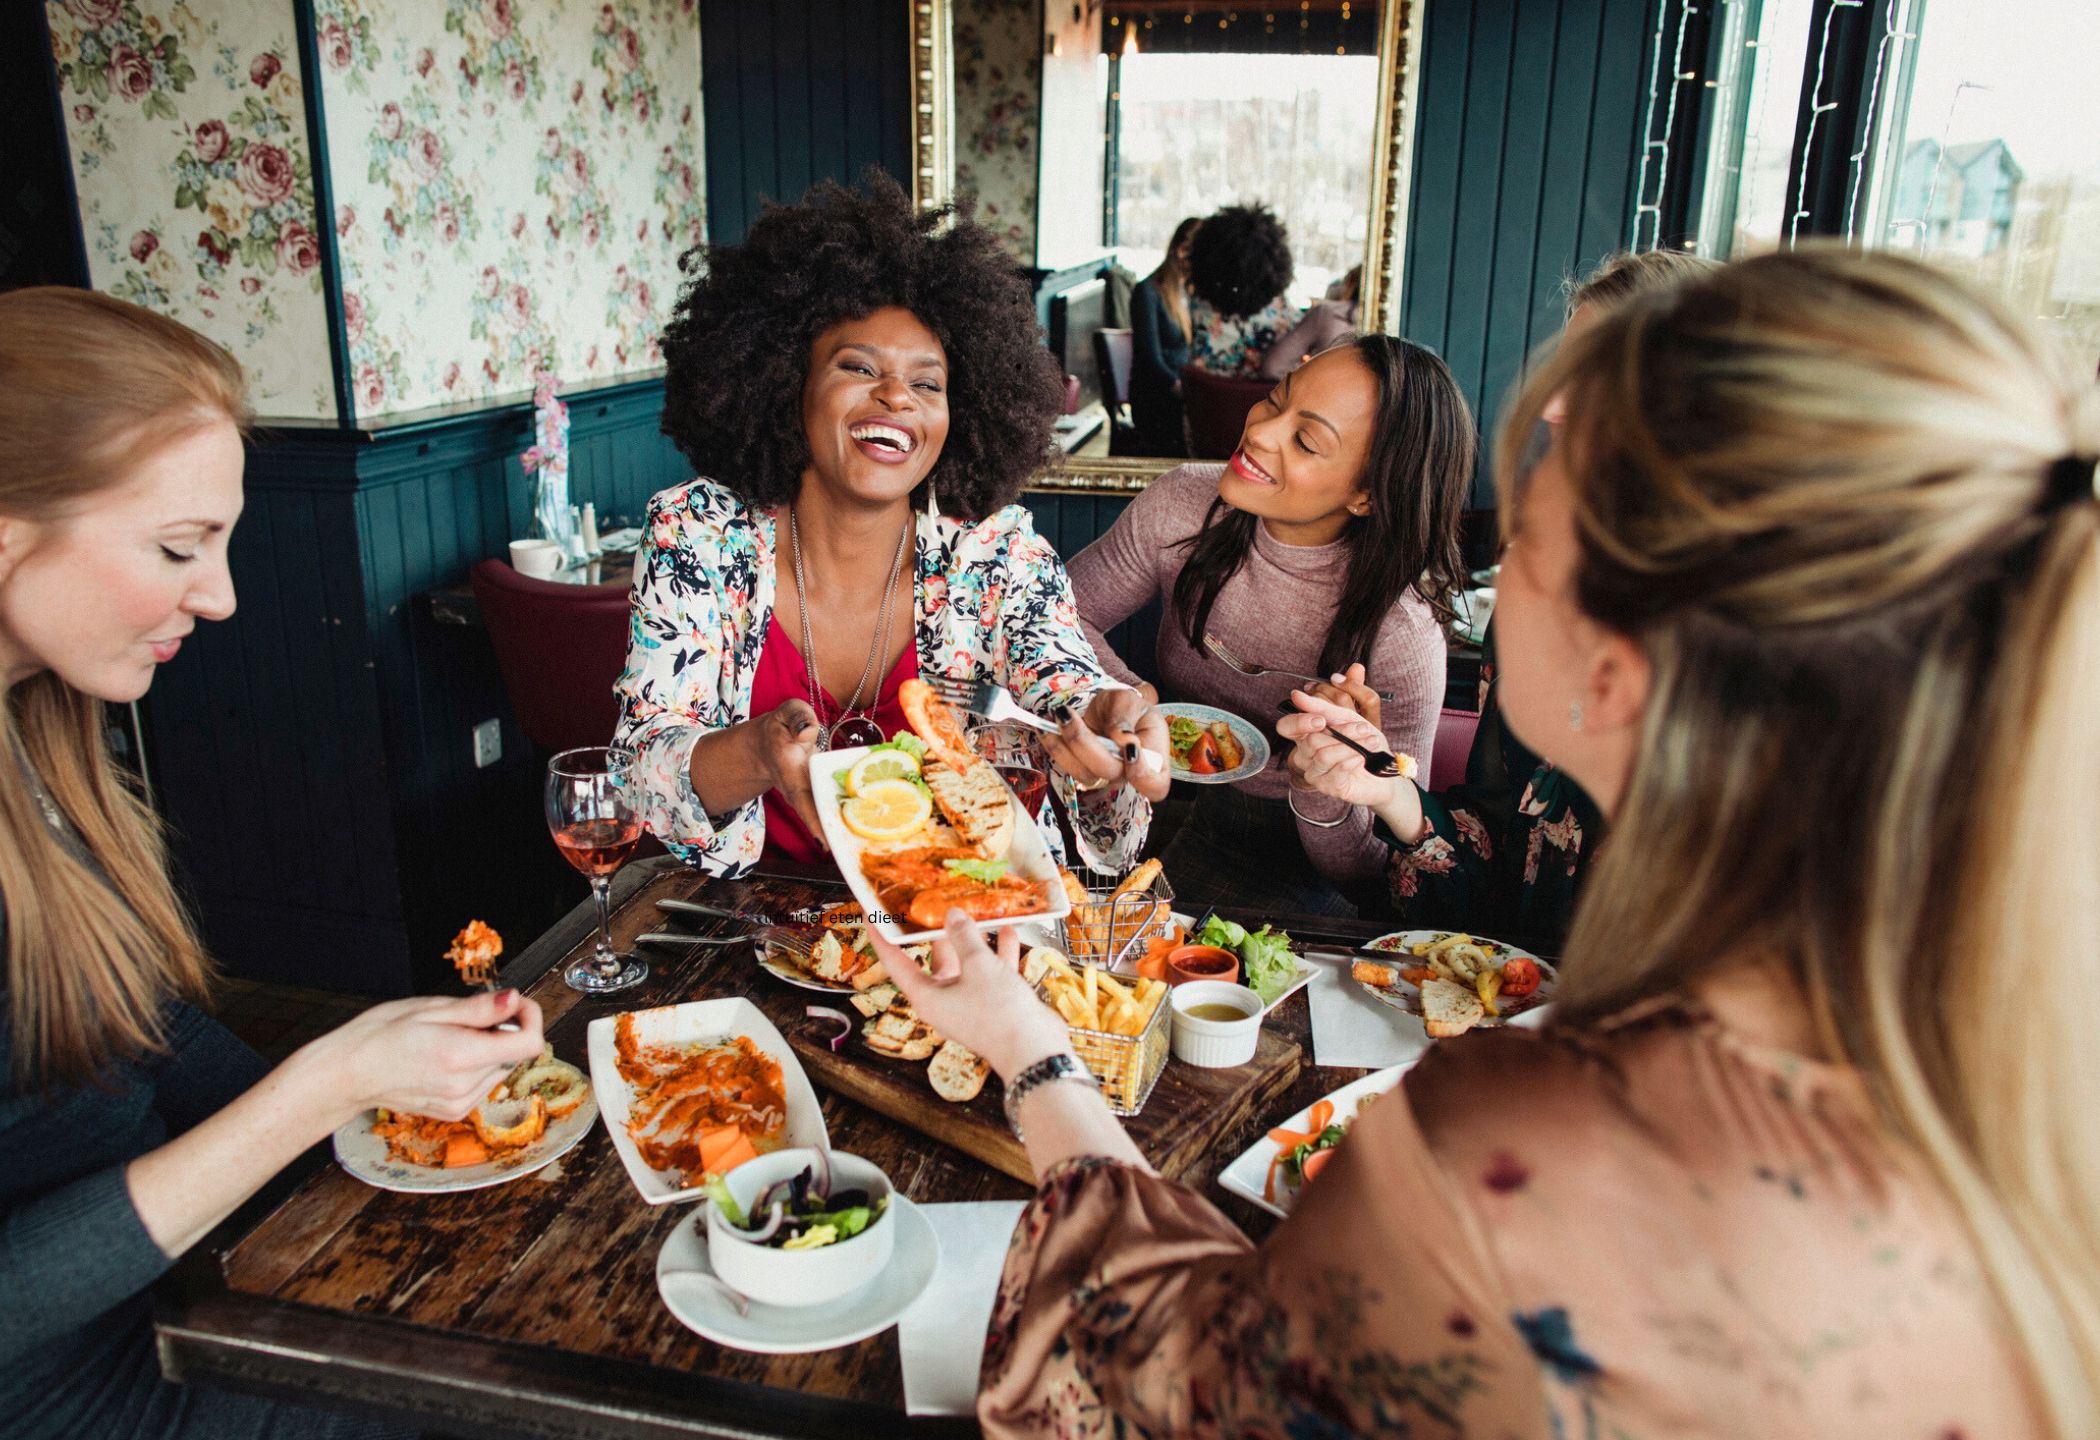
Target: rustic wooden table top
<point>531,1307</point>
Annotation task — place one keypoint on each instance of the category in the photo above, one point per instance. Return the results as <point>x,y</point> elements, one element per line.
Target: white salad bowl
<point>800,1278</point>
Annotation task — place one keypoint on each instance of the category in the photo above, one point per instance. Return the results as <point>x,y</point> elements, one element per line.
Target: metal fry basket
<point>1128,1066</point>
<point>1112,931</point>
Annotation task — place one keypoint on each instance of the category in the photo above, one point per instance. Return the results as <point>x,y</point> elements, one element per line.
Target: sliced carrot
<point>736,1154</point>
<point>716,1143</point>
<point>464,1148</point>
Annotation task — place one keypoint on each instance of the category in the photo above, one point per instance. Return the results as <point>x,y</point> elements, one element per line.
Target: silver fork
<point>1233,662</point>
<point>995,703</point>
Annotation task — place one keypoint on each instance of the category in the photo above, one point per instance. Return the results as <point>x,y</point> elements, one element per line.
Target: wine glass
<point>1012,751</point>
<point>596,831</point>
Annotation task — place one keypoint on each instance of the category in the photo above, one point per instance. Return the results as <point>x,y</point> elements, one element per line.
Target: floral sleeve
<point>1130,1306</point>
<point>692,592</point>
<point>1041,653</point>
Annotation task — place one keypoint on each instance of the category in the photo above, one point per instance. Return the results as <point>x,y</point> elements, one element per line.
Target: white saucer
<point>784,1330</point>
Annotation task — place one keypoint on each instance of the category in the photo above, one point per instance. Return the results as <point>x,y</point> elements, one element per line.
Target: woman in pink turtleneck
<point>1327,545</point>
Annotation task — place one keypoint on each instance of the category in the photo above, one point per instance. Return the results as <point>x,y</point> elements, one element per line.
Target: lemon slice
<point>879,765</point>
<point>887,810</point>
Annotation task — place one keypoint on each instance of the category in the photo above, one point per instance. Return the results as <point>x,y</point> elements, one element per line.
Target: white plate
<point>1252,741</point>
<point>1028,857</point>
<point>783,969</point>
<point>1245,1176</point>
<point>786,1330</point>
<point>698,1020</point>
<point>365,1155</point>
<point>1408,998</point>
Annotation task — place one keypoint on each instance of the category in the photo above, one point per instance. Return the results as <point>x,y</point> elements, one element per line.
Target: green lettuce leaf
<point>984,872</point>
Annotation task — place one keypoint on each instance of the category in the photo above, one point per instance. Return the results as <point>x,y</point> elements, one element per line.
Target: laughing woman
<point>862,393</point>
<point>131,1123</point>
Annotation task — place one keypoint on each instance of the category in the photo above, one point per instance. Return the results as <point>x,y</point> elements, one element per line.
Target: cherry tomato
<point>1204,758</point>
<point>1315,1163</point>
<point>1520,975</point>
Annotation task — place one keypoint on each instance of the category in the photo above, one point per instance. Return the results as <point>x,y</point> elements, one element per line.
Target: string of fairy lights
<point>1899,28</point>
<point>1267,16</point>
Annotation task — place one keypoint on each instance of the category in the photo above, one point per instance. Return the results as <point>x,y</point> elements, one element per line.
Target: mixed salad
<point>1268,965</point>
<point>799,1213</point>
<point>1198,748</point>
<point>1302,1154</point>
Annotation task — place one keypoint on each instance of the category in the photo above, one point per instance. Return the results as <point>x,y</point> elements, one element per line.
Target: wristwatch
<point>1051,1068</point>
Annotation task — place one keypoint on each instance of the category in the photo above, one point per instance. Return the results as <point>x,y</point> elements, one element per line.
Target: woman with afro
<point>1239,266</point>
<point>861,393</point>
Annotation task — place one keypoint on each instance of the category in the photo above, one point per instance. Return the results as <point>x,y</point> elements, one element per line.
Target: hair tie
<point>2070,480</point>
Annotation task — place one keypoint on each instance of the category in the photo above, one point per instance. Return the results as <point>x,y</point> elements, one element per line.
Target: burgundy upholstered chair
<point>560,648</point>
<point>1216,407</point>
<point>1454,742</point>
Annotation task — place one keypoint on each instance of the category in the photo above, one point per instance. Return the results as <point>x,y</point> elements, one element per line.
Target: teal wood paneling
<point>1526,140</point>
<point>797,91</point>
<point>314,753</point>
<point>1071,522</point>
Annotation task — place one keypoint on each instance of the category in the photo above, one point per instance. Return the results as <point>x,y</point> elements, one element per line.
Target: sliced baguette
<point>957,1075</point>
<point>1449,1008</point>
<point>976,804</point>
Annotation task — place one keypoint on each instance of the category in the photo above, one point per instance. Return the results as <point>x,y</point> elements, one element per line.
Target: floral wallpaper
<point>514,181</point>
<point>187,125</point>
<point>998,94</point>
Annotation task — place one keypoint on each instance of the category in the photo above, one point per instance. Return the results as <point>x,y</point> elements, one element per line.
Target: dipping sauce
<point>1214,1010</point>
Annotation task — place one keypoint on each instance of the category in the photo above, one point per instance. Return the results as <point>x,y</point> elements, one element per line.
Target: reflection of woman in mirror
<point>863,394</point>
<point>1159,336</point>
<point>1327,324</point>
<point>1239,267</point>
<point>1329,546</point>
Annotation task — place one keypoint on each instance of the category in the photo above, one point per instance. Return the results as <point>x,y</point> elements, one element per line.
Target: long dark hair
<point>1418,472</point>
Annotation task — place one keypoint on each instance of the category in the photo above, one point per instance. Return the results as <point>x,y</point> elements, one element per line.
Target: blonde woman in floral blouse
<point>863,395</point>
<point>1806,1148</point>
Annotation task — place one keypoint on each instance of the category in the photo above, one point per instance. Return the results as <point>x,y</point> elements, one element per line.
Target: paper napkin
<point>941,1338</point>
<point>1350,1028</point>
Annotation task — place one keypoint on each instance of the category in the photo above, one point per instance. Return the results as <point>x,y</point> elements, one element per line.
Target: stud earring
<point>1574,714</point>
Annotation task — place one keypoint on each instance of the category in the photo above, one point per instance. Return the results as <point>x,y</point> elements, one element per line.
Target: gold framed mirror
<point>933,140</point>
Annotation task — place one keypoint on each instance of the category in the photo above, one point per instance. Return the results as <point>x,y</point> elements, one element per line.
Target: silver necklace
<point>849,728</point>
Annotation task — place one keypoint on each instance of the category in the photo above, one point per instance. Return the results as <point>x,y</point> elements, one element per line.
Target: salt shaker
<point>591,546</point>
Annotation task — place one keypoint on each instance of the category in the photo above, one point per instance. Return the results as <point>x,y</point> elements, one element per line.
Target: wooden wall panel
<point>314,753</point>
<point>1524,163</point>
<point>797,91</point>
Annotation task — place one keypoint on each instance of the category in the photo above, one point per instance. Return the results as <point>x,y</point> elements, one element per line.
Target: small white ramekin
<point>1215,1044</point>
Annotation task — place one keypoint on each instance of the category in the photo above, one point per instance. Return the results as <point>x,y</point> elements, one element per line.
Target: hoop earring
<point>1574,714</point>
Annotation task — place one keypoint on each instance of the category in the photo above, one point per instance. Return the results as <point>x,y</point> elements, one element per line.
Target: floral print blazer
<point>991,602</point>
<point>1506,850</point>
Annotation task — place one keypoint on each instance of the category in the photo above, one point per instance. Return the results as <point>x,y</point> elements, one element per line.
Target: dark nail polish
<point>1130,752</point>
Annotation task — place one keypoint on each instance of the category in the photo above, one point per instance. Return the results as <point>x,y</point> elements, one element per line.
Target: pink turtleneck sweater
<point>1275,611</point>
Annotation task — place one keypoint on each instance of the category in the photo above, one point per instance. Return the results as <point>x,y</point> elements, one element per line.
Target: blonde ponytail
<point>1837,499</point>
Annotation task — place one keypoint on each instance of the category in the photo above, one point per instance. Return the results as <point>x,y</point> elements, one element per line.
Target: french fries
<point>1112,1020</point>
<point>1098,931</point>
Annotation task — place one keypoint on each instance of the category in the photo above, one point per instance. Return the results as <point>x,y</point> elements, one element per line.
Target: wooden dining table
<point>531,1307</point>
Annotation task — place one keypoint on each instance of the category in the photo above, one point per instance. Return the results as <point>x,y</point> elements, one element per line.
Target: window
<point>1195,132</point>
<point>1952,131</point>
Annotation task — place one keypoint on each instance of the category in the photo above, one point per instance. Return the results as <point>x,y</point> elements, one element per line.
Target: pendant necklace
<point>855,724</point>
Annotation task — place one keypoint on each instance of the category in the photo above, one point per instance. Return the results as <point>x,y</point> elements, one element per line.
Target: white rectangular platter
<point>696,1021</point>
<point>1246,1175</point>
<point>1028,857</point>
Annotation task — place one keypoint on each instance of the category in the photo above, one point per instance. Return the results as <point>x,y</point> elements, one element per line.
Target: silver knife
<point>671,937</point>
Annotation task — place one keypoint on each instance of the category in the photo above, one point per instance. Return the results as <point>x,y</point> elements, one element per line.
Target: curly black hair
<point>1240,260</point>
<point>737,346</point>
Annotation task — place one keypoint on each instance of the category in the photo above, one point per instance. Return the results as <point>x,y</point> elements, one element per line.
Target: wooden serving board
<point>1190,1110</point>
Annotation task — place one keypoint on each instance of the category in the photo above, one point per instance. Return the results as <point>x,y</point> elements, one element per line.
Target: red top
<point>782,676</point>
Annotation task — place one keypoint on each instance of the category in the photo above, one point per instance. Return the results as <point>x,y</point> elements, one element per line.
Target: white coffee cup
<point>535,557</point>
